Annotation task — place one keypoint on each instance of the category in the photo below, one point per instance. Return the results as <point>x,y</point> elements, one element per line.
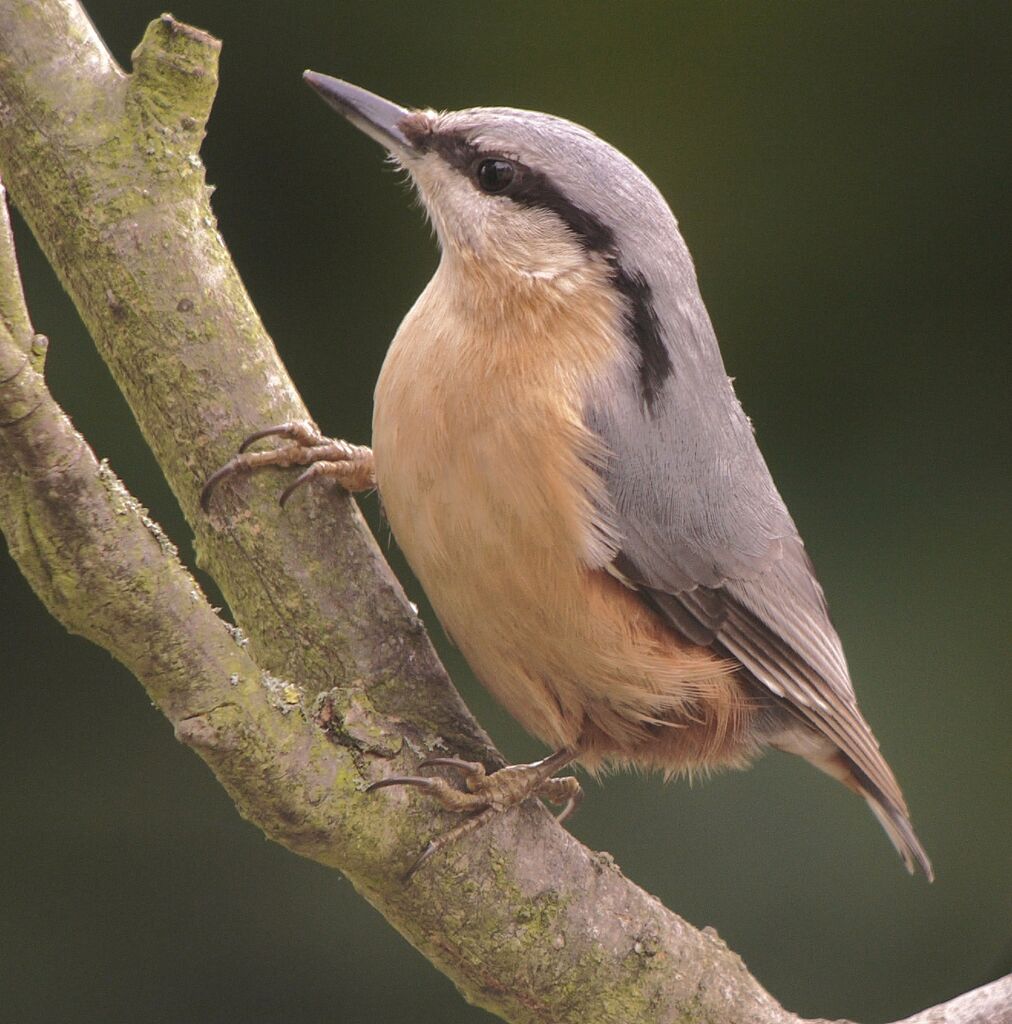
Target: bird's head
<point>518,191</point>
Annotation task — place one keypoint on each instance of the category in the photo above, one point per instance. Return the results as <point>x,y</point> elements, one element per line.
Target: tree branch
<point>104,569</point>
<point>989,1003</point>
<point>339,684</point>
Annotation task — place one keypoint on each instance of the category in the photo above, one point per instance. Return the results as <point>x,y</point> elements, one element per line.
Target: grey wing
<point>707,539</point>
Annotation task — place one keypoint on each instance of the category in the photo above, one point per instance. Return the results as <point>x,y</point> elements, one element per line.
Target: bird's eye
<point>495,175</point>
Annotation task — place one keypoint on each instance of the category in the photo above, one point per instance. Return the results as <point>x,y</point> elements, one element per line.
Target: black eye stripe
<point>453,147</point>
<point>535,190</point>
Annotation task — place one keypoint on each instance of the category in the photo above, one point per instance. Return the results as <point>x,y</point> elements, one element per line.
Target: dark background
<point>840,171</point>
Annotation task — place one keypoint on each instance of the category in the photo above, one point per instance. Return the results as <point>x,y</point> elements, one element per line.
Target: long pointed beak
<point>377,117</point>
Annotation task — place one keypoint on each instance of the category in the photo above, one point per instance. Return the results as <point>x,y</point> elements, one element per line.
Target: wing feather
<point>702,532</point>
<point>709,543</point>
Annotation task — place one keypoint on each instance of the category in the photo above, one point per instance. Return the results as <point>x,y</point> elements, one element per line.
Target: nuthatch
<point>565,465</point>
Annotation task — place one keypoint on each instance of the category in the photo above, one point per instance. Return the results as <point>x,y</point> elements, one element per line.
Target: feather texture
<point>710,545</point>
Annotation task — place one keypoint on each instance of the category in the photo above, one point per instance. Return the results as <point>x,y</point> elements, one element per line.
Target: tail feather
<point>892,815</point>
<point>901,834</point>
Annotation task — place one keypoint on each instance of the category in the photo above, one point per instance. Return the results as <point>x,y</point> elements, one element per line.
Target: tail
<point>892,814</point>
<point>889,808</point>
<point>896,823</point>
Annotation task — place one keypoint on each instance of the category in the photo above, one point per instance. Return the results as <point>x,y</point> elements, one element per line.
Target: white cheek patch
<point>450,201</point>
<point>523,240</point>
<point>535,242</point>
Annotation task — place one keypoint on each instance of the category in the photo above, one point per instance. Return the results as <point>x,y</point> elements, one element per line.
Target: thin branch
<point>13,311</point>
<point>339,685</point>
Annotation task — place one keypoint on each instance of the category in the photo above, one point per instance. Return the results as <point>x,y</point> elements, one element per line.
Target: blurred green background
<point>840,171</point>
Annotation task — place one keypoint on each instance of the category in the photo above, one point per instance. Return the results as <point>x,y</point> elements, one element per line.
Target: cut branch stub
<point>175,78</point>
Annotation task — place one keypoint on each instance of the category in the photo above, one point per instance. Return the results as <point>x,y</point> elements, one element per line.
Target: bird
<point>562,459</point>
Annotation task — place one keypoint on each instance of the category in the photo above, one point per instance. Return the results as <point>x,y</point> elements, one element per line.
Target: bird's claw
<point>487,794</point>
<point>351,465</point>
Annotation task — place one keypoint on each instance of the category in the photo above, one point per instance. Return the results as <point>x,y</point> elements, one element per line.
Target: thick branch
<point>523,918</point>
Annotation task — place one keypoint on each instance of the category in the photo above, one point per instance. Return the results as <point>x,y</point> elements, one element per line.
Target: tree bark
<point>337,684</point>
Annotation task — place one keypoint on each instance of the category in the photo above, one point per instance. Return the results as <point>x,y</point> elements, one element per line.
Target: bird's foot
<point>487,795</point>
<point>350,464</point>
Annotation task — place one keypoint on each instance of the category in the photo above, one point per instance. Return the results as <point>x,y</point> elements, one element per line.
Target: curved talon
<point>294,430</point>
<point>230,467</point>
<point>304,477</point>
<point>471,767</point>
<point>469,824</point>
<point>401,780</point>
<point>430,849</point>
<point>571,805</point>
<point>449,797</point>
